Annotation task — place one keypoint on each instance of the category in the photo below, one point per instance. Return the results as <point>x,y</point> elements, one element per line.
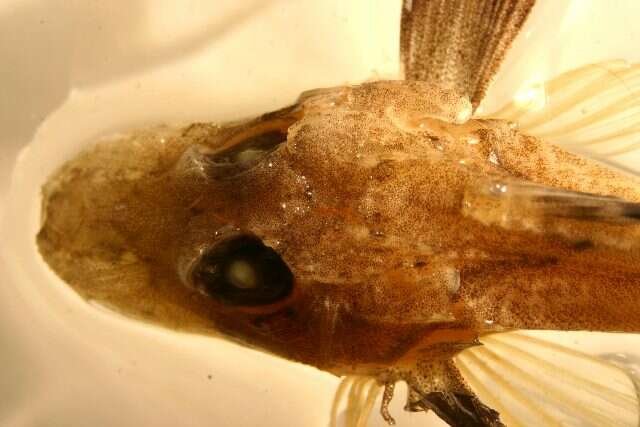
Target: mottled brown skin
<point>364,202</point>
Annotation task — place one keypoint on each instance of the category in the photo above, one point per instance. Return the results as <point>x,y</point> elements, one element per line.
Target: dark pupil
<point>243,271</point>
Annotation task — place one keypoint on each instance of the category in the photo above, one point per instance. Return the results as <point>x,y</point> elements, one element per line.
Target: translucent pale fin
<point>530,381</point>
<point>360,394</point>
<point>594,110</point>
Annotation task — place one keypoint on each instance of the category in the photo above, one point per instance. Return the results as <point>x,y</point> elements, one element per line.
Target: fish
<point>383,231</point>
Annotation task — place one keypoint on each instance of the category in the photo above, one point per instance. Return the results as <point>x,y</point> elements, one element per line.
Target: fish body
<point>375,230</point>
<point>387,211</point>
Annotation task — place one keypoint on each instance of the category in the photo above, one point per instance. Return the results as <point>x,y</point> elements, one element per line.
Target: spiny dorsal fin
<point>459,44</point>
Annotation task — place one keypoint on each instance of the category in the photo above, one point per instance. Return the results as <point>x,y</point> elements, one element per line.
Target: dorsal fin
<point>459,44</point>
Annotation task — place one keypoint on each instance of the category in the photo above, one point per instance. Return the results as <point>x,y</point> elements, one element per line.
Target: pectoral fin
<point>459,44</point>
<point>593,110</point>
<point>532,381</point>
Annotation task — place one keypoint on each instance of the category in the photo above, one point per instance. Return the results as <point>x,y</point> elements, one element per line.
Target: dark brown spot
<point>583,245</point>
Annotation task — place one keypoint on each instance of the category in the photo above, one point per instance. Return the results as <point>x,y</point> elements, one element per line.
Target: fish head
<point>306,232</point>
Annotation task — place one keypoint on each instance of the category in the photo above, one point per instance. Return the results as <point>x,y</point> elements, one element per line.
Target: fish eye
<point>251,148</point>
<point>242,271</point>
<point>246,148</point>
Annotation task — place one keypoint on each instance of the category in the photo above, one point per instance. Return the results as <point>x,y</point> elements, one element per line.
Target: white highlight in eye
<point>241,274</point>
<point>249,155</point>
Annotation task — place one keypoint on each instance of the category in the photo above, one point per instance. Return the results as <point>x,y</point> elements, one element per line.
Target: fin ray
<point>459,44</point>
<point>594,110</point>
<point>469,362</point>
<point>553,384</point>
<point>514,110</point>
<point>575,380</point>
